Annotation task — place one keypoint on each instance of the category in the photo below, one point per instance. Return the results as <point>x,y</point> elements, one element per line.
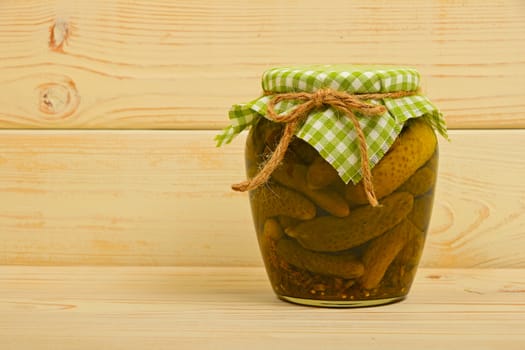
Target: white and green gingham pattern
<point>330,133</point>
<point>351,79</point>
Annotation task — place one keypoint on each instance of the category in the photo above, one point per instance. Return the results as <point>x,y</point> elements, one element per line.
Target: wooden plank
<point>480,201</point>
<point>154,198</point>
<point>234,308</point>
<point>160,64</point>
<point>164,198</point>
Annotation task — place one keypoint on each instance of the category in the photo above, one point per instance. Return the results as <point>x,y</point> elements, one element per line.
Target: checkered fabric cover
<point>331,133</point>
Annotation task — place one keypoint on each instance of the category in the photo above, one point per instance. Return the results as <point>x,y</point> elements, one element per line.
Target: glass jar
<point>341,164</point>
<point>322,243</point>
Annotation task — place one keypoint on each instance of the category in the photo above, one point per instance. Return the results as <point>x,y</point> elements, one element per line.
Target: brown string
<point>342,101</point>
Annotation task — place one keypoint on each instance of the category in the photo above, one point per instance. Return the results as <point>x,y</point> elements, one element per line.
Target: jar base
<point>341,303</point>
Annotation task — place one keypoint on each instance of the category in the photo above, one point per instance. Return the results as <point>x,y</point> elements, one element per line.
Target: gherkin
<point>320,174</point>
<point>340,265</point>
<point>414,146</point>
<point>293,175</point>
<point>331,234</point>
<point>420,214</point>
<point>269,201</point>
<point>423,180</point>
<point>380,253</point>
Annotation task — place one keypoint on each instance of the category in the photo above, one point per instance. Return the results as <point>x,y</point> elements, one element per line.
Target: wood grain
<point>164,64</point>
<point>164,198</point>
<point>234,308</point>
<point>480,201</point>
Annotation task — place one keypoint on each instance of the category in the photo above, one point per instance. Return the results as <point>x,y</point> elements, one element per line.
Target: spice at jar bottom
<point>341,181</point>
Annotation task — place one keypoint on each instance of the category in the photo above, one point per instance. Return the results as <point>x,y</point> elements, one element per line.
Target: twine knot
<point>341,101</point>
<point>318,98</point>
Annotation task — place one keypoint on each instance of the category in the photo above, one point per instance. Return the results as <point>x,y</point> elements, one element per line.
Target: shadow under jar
<point>322,243</point>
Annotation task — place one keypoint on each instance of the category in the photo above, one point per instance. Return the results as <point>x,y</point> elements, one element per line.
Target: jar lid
<point>326,128</point>
<point>348,78</point>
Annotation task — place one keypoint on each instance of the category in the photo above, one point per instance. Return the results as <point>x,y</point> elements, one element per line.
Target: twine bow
<point>341,101</point>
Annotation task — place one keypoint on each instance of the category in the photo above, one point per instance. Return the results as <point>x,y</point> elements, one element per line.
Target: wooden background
<point>108,111</point>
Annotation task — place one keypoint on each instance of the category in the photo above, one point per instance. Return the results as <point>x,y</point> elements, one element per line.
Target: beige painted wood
<point>165,64</point>
<point>163,198</point>
<point>234,308</point>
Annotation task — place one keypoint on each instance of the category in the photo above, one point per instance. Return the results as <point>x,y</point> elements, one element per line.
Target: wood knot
<point>59,33</point>
<point>58,99</point>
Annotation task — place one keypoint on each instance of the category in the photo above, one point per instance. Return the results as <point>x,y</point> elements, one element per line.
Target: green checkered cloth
<point>331,133</point>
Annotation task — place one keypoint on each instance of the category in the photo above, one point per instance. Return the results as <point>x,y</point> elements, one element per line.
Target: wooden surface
<point>144,197</point>
<point>154,197</point>
<point>234,308</point>
<point>164,198</point>
<point>164,64</point>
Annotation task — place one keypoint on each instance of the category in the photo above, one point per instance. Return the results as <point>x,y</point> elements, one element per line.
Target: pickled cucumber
<point>420,214</point>
<point>340,265</point>
<point>402,270</point>
<point>293,175</point>
<point>272,230</point>
<point>271,133</point>
<point>331,234</point>
<point>302,150</point>
<point>410,254</point>
<point>252,151</point>
<point>420,183</point>
<point>415,145</point>
<point>269,201</point>
<point>380,253</point>
<point>320,174</point>
<point>287,221</point>
<point>268,237</point>
<point>432,163</point>
<point>423,180</point>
